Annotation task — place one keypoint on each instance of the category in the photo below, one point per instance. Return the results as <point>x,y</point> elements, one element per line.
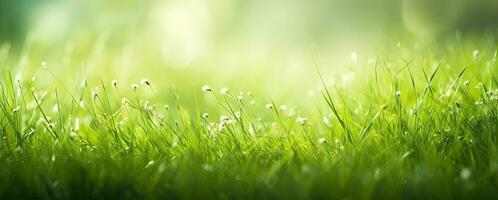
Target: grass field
<point>416,121</point>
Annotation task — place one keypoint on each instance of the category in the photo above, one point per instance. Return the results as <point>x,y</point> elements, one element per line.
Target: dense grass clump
<point>421,124</point>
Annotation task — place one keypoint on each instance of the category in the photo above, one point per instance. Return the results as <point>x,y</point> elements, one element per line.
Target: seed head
<point>302,120</point>
<point>77,125</point>
<point>205,115</point>
<point>124,101</point>
<point>475,53</point>
<point>354,57</point>
<point>114,83</point>
<point>94,94</point>
<point>206,88</point>
<point>44,65</point>
<point>16,109</point>
<point>466,83</point>
<point>269,106</point>
<point>134,87</point>
<point>223,119</point>
<point>145,82</point>
<point>224,90</point>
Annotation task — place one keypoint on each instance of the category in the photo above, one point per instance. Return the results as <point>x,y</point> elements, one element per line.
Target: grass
<point>415,123</point>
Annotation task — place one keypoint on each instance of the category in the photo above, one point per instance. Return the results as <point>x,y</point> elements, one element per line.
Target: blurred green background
<point>223,42</point>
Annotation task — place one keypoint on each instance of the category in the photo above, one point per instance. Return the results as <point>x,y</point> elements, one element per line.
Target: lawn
<point>415,121</point>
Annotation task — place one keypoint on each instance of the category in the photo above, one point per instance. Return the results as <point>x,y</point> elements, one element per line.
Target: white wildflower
<point>55,108</point>
<point>44,65</point>
<point>145,82</point>
<point>205,115</point>
<point>269,106</point>
<point>16,109</point>
<point>302,120</point>
<point>76,124</point>
<point>223,119</point>
<point>354,57</point>
<point>224,90</point>
<point>466,83</point>
<point>475,53</point>
<point>206,88</point>
<point>135,87</point>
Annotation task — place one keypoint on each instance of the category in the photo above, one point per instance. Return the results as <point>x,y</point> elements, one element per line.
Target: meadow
<point>415,121</point>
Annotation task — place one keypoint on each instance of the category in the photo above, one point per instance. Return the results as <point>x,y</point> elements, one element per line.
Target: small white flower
<point>44,65</point>
<point>16,109</point>
<point>221,126</point>
<point>95,95</point>
<point>145,82</point>
<point>449,92</point>
<point>134,86</point>
<point>354,57</point>
<point>302,120</point>
<point>398,93</point>
<point>124,101</point>
<point>475,53</point>
<point>55,108</point>
<point>238,115</point>
<point>269,106</point>
<point>114,83</point>
<point>223,119</point>
<point>82,104</point>
<point>224,90</point>
<point>291,113</point>
<point>466,83</point>
<point>76,124</point>
<point>253,102</point>
<point>205,115</point>
<point>326,120</point>
<point>239,98</point>
<point>322,140</point>
<point>206,88</point>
